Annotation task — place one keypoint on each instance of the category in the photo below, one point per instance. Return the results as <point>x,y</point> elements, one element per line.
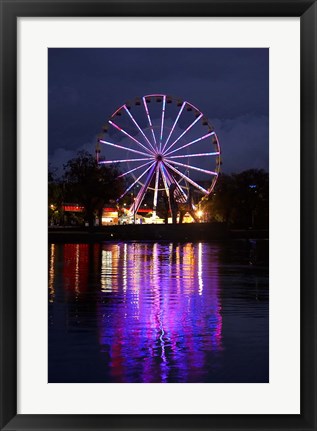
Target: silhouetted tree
<point>55,196</point>
<point>253,198</point>
<point>91,185</point>
<point>222,203</point>
<point>241,200</point>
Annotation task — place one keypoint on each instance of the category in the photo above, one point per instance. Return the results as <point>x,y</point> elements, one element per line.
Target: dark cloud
<point>229,85</point>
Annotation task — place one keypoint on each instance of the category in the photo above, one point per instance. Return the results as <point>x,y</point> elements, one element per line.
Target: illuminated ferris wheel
<point>161,144</point>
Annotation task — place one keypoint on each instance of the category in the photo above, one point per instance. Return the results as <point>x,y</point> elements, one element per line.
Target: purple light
<point>175,122</point>
<point>149,118</point>
<point>130,187</point>
<point>187,179</point>
<point>156,187</point>
<point>193,155</point>
<point>164,180</point>
<point>160,319</point>
<point>188,128</point>
<point>131,137</point>
<point>137,125</point>
<point>157,157</point>
<point>134,169</point>
<point>162,122</point>
<point>123,148</point>
<point>136,204</point>
<point>166,176</point>
<point>170,179</point>
<point>104,162</point>
<point>190,143</point>
<point>193,167</point>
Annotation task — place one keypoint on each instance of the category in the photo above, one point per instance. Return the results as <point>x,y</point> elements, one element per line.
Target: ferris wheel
<point>161,143</point>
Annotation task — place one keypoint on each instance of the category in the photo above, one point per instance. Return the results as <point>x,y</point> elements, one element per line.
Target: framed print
<point>158,176</point>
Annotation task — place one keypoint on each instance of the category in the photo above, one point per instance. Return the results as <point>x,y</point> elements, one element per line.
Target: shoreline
<point>179,232</point>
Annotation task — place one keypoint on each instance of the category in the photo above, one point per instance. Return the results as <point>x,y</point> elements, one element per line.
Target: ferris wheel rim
<point>159,156</point>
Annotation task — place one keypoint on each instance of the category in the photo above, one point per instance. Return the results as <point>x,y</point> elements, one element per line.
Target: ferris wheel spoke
<point>164,179</point>
<point>190,143</point>
<point>108,162</point>
<point>134,169</point>
<point>173,127</point>
<point>181,193</point>
<point>156,188</point>
<point>162,121</point>
<point>149,120</point>
<point>168,179</point>
<point>137,125</point>
<point>138,200</point>
<point>124,148</point>
<point>190,181</point>
<point>195,168</point>
<point>171,179</point>
<point>185,131</point>
<point>138,179</point>
<point>183,156</point>
<point>131,137</point>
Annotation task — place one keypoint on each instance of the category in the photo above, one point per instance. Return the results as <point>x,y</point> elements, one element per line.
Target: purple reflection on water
<point>158,312</point>
<point>168,316</point>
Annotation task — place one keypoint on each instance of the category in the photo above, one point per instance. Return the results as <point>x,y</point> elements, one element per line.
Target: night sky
<point>230,86</point>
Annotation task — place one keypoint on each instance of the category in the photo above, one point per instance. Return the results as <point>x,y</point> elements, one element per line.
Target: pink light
<point>136,204</point>
<point>104,162</point>
<point>149,118</point>
<point>134,169</point>
<point>156,186</point>
<point>123,148</point>
<point>137,125</point>
<point>188,128</point>
<point>171,179</point>
<point>164,180</point>
<point>193,155</point>
<point>187,179</point>
<point>131,137</point>
<point>175,122</point>
<point>190,143</point>
<point>193,167</point>
<point>130,187</point>
<point>162,122</point>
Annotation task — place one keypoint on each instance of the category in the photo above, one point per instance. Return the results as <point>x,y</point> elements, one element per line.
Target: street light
<point>200,214</point>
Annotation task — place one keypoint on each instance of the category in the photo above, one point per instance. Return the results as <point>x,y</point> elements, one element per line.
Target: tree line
<point>84,182</point>
<point>239,200</point>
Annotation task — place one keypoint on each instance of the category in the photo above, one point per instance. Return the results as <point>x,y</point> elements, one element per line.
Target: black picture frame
<point>10,11</point>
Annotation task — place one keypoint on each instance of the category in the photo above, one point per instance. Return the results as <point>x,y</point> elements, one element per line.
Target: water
<point>159,312</point>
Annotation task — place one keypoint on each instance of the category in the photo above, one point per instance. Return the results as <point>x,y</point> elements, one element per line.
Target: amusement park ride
<point>163,147</point>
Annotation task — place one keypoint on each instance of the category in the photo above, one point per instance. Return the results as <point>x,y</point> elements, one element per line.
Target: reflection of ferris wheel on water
<point>159,141</point>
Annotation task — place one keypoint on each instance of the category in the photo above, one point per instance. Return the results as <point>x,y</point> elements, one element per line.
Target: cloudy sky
<point>230,87</point>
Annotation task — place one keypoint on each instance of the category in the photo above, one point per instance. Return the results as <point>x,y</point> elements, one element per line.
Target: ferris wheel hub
<point>159,157</point>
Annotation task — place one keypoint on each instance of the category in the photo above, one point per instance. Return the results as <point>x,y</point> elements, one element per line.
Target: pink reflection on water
<point>156,306</point>
<point>167,314</point>
<point>75,268</point>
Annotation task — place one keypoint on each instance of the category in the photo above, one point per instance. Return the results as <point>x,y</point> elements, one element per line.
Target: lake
<point>158,312</point>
